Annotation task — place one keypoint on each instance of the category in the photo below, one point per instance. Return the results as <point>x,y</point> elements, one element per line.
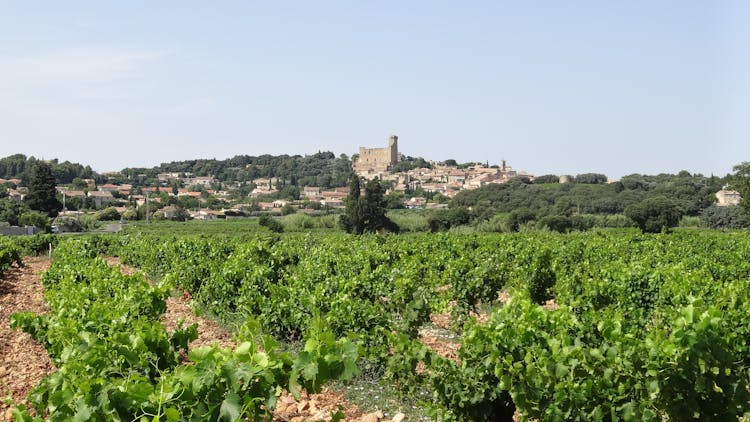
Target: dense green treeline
<point>19,166</point>
<point>322,169</point>
<point>692,193</point>
<point>575,205</point>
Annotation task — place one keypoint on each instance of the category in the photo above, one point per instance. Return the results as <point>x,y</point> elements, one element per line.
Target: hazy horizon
<point>570,88</point>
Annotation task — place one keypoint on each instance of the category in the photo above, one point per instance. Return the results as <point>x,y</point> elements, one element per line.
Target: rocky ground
<point>23,361</point>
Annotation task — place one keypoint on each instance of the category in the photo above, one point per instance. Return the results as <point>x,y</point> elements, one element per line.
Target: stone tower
<point>393,149</point>
<point>375,160</point>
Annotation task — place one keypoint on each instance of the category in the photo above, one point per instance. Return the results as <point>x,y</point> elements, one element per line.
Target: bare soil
<point>23,361</point>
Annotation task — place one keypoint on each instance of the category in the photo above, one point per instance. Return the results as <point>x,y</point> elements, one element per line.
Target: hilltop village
<point>418,184</point>
<point>240,186</point>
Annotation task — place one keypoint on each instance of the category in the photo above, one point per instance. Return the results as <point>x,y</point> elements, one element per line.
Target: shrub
<point>108,214</point>
<point>655,214</point>
<point>271,224</point>
<point>723,217</point>
<point>36,219</point>
<point>542,278</point>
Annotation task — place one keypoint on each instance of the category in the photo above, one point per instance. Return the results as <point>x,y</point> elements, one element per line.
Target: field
<point>604,325</point>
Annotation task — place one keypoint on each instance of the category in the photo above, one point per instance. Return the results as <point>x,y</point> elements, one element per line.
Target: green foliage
<point>10,254</point>
<point>66,224</point>
<point>409,220</point>
<point>116,361</point>
<point>11,210</point>
<point>591,178</point>
<point>590,196</point>
<point>366,214</point>
<point>352,220</point>
<point>271,223</point>
<point>130,214</point>
<point>108,214</point>
<point>320,169</point>
<point>442,220</point>
<point>42,194</point>
<point>629,340</point>
<point>558,223</point>
<point>546,179</point>
<point>519,217</point>
<point>740,181</point>
<point>36,219</point>
<point>541,277</point>
<point>410,163</point>
<point>21,167</point>
<point>715,217</point>
<point>655,214</point>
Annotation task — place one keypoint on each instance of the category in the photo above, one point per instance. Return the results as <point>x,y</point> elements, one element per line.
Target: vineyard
<point>606,325</point>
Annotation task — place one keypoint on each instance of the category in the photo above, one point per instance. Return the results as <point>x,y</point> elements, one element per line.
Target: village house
<point>157,191</point>
<point>416,202</point>
<point>205,214</point>
<point>108,188</point>
<point>332,203</point>
<point>166,177</point>
<point>726,197</point>
<point>74,194</point>
<point>266,183</point>
<point>203,181</point>
<point>184,192</point>
<point>16,194</point>
<point>334,195</point>
<point>311,192</point>
<point>265,206</point>
<point>457,176</point>
<point>100,198</point>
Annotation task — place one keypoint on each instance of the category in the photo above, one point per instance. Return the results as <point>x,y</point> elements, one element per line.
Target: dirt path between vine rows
<point>23,361</point>
<point>310,407</point>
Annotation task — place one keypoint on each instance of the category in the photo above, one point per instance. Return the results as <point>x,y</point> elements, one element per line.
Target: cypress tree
<point>351,220</point>
<point>42,194</point>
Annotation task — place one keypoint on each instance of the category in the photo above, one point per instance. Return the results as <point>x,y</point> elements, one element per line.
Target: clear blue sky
<point>552,87</point>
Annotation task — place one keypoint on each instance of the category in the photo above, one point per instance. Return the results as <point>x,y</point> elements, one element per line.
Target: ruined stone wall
<point>377,159</point>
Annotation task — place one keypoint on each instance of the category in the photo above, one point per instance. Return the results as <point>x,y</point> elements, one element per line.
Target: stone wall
<point>18,231</point>
<point>377,159</point>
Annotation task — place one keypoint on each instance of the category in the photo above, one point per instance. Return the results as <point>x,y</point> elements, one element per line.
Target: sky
<point>552,87</point>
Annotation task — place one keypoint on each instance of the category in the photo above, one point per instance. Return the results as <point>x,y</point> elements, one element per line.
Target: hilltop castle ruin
<point>377,160</point>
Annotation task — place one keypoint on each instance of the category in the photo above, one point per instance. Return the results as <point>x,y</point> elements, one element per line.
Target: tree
<point>271,224</point>
<point>366,214</point>
<point>547,178</point>
<point>36,219</point>
<point>373,209</point>
<point>108,214</point>
<point>42,190</point>
<point>740,181</point>
<point>558,223</point>
<point>591,178</point>
<point>79,184</point>
<point>11,210</point>
<point>442,220</point>
<point>518,217</point>
<point>351,220</point>
<point>655,214</point>
<point>715,217</point>
<point>288,209</point>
